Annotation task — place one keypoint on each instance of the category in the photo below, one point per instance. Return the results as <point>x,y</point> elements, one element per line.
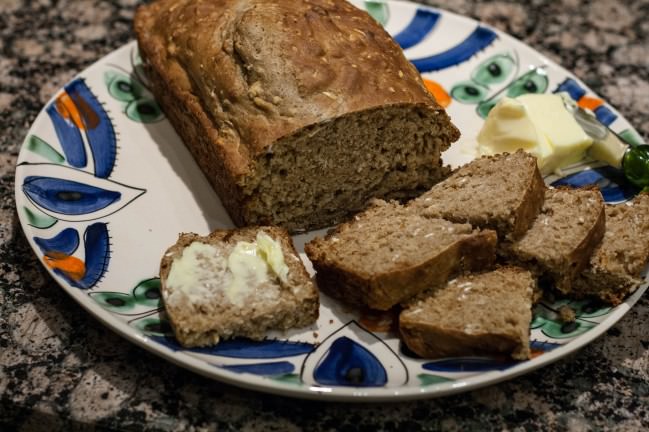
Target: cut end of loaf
<point>298,137</point>
<point>327,171</point>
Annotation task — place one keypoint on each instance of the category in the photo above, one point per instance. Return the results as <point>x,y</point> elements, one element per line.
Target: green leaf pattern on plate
<point>429,379</point>
<point>379,11</point>
<point>153,326</point>
<point>546,318</point>
<point>38,219</point>
<point>38,146</point>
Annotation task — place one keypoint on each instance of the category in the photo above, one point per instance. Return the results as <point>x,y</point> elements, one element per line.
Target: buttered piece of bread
<point>235,283</point>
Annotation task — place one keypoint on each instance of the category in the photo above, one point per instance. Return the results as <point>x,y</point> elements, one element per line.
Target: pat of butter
<point>538,124</point>
<point>202,271</point>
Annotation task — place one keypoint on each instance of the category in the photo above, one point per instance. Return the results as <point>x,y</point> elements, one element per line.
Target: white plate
<point>100,223</point>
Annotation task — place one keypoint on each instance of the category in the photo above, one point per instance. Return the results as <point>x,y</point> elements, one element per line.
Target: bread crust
<point>436,341</point>
<point>531,205</point>
<point>580,257</point>
<point>203,142</point>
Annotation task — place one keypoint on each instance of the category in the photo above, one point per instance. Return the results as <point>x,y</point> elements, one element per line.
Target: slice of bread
<point>562,238</point>
<point>389,253</point>
<point>475,314</point>
<point>205,305</point>
<point>503,192</point>
<point>616,266</point>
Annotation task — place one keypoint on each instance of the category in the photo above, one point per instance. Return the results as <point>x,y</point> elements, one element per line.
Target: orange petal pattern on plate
<point>71,266</point>
<point>438,92</point>
<point>589,102</point>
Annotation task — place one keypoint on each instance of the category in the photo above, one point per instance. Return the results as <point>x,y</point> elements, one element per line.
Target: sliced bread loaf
<point>562,238</point>
<point>389,253</point>
<point>503,192</point>
<point>475,314</point>
<point>235,283</point>
<point>616,266</point>
<point>296,111</point>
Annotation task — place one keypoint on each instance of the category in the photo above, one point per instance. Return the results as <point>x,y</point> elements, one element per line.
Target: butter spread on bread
<point>240,282</point>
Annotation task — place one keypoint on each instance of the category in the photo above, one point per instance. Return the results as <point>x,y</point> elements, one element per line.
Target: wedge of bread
<point>213,290</point>
<point>503,192</point>
<point>476,314</point>
<point>562,238</point>
<point>616,266</point>
<point>388,253</point>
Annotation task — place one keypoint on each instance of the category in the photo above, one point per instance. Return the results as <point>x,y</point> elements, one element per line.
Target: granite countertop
<point>61,369</point>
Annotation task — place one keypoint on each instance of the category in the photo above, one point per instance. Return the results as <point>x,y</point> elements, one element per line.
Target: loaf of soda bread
<point>296,111</point>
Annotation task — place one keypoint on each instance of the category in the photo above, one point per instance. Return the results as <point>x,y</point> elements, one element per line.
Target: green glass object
<point>635,164</point>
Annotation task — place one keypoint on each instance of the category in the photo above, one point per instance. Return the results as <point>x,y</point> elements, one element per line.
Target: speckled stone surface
<point>60,369</point>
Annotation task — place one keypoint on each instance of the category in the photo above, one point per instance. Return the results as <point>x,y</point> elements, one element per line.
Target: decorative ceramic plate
<point>104,185</point>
